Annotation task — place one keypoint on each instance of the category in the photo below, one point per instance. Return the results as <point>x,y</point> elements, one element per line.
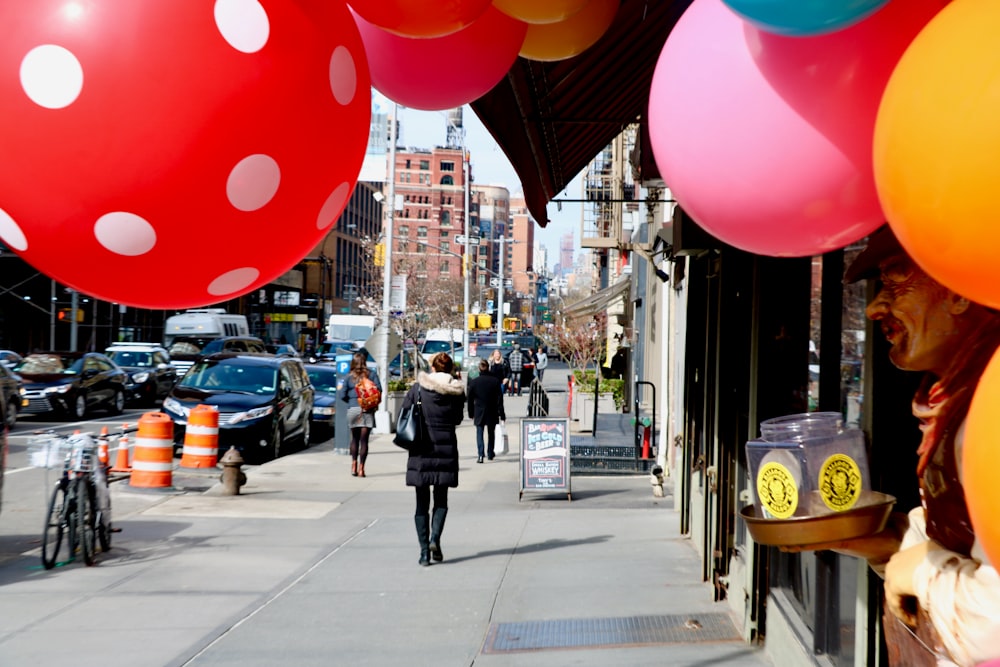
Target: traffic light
<point>484,321</point>
<point>67,314</point>
<point>472,321</point>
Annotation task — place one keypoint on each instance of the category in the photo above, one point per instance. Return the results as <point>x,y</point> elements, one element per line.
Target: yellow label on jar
<point>840,482</point>
<point>777,491</point>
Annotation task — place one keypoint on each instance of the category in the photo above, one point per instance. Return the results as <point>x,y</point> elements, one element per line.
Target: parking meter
<point>341,430</point>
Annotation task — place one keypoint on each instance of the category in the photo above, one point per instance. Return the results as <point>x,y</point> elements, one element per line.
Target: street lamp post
<point>382,414</point>
<point>467,261</point>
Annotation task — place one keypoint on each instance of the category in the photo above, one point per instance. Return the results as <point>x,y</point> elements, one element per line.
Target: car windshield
<point>184,346</point>
<point>323,380</point>
<point>435,346</point>
<point>229,376</point>
<point>131,358</point>
<point>40,364</point>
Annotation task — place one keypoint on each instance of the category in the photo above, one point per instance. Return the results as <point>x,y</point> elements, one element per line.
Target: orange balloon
<point>935,149</point>
<point>420,18</point>
<point>565,39</point>
<point>540,11</point>
<point>981,460</point>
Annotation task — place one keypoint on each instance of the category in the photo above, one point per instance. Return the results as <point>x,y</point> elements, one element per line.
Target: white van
<point>443,340</point>
<point>185,334</point>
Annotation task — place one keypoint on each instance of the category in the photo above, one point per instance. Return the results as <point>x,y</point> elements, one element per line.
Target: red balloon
<point>194,151</point>
<point>444,72</point>
<point>420,18</point>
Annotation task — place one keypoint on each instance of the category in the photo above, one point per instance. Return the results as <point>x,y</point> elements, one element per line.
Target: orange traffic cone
<point>121,464</point>
<point>102,447</point>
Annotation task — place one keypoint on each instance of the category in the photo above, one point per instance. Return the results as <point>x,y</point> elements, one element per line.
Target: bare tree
<point>581,339</point>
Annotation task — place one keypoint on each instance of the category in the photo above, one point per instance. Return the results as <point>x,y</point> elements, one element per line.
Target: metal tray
<point>868,517</point>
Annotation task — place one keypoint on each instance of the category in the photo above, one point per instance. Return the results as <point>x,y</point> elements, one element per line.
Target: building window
<point>425,165</point>
<point>404,230</point>
<point>447,165</point>
<point>443,268</point>
<point>444,234</point>
<point>447,180</point>
<point>422,232</point>
<point>407,163</point>
<point>445,219</point>
<point>445,246</point>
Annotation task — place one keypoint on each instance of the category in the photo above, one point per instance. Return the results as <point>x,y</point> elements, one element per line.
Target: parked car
<point>10,395</point>
<point>408,365</point>
<point>151,376</point>
<point>9,358</point>
<point>71,383</point>
<point>186,350</point>
<point>282,349</point>
<point>264,402</point>
<point>324,380</point>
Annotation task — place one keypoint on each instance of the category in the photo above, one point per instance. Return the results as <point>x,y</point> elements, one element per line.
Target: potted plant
<point>395,392</point>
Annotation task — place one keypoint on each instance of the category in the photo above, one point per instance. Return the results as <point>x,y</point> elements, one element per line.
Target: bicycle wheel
<point>85,519</point>
<point>104,519</point>
<point>55,524</point>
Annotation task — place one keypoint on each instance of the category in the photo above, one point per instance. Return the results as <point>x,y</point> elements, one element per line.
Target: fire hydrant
<point>656,478</point>
<point>232,477</point>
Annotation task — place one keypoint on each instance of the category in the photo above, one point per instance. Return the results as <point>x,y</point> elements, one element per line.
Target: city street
<point>310,566</point>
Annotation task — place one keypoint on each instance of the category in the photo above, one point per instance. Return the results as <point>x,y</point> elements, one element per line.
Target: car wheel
<point>78,409</point>
<point>277,436</point>
<point>118,403</point>
<point>11,416</point>
<point>306,434</point>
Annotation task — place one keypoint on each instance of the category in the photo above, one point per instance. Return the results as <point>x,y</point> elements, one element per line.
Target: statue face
<point>917,315</point>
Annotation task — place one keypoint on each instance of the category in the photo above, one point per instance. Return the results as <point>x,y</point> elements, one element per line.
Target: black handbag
<point>409,425</point>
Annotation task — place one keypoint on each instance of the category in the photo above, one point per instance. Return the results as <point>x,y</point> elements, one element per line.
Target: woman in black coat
<point>435,464</point>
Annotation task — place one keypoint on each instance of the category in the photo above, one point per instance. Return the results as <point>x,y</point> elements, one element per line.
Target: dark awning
<point>551,119</point>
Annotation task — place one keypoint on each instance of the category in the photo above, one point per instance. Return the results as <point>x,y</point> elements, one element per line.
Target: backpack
<point>369,395</point>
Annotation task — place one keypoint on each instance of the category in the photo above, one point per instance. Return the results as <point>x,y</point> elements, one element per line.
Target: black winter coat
<point>486,400</point>
<point>443,402</point>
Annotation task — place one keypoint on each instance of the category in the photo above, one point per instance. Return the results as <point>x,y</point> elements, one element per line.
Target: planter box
<point>393,405</point>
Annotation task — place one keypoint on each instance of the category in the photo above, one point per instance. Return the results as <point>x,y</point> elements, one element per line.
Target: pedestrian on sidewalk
<point>359,421</point>
<point>541,363</point>
<point>499,367</point>
<point>433,468</point>
<point>486,408</point>
<point>515,360</point>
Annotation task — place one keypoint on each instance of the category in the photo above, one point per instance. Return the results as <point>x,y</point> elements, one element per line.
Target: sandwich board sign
<point>545,455</point>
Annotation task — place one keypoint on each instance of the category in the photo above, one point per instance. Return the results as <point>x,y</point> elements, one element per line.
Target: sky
<point>426,129</point>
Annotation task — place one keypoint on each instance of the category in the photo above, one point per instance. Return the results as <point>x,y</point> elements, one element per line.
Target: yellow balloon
<point>540,11</point>
<point>565,39</point>
<point>935,149</point>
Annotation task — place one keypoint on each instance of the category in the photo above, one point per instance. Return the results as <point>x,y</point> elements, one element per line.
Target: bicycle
<point>79,508</point>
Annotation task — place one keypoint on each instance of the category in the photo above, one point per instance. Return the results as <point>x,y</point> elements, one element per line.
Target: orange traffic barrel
<point>201,438</point>
<point>153,459</point>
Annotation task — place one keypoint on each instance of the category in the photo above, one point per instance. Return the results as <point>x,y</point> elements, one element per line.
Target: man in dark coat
<point>435,464</point>
<point>486,407</point>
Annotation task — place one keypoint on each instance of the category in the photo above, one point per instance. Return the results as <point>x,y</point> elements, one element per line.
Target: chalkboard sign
<point>545,455</point>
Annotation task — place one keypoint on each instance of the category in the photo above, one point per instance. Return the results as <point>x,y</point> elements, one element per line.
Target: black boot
<point>437,525</point>
<point>423,529</point>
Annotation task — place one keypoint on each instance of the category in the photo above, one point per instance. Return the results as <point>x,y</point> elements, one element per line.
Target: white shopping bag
<point>502,445</point>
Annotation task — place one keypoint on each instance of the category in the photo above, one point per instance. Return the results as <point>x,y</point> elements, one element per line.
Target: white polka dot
<point>343,75</point>
<point>253,182</point>
<point>243,23</point>
<point>11,232</point>
<point>233,281</point>
<point>125,233</point>
<point>333,206</point>
<point>51,76</point>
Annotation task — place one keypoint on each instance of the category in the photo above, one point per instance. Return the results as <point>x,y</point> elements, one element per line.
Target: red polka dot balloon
<point>168,154</point>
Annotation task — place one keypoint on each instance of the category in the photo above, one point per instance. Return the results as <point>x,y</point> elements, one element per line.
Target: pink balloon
<point>443,72</point>
<point>766,140</point>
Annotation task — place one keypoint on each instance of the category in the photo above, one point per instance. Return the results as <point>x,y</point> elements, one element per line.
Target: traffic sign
<point>494,282</point>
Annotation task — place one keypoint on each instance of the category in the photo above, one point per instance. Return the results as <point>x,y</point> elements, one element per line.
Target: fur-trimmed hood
<point>441,383</point>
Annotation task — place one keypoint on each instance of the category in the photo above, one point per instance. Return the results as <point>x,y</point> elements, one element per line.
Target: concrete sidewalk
<point>310,566</point>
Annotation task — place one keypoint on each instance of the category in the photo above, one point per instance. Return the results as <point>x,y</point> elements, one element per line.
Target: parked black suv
<point>151,376</point>
<point>264,402</point>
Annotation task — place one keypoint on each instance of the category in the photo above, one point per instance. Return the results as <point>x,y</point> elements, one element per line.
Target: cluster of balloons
<point>208,147</point>
<point>763,127</point>
<point>432,56</point>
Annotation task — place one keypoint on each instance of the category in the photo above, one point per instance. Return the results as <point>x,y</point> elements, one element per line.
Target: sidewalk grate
<point>609,632</point>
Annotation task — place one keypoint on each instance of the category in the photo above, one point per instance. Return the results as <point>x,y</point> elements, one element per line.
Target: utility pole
<point>500,313</point>
<point>382,416</point>
<point>467,261</point>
